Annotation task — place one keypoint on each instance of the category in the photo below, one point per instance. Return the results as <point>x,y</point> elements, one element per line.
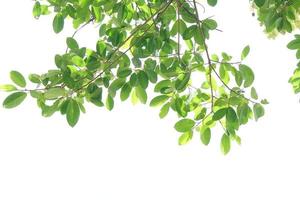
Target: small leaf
<point>185,138</point>
<point>156,101</point>
<point>219,114</point>
<point>205,136</point>
<point>141,94</point>
<point>164,110</point>
<point>73,112</point>
<point>225,144</point>
<point>143,79</point>
<point>54,93</point>
<point>14,100</point>
<point>182,81</point>
<point>294,44</point>
<point>109,103</point>
<point>125,91</point>
<point>259,3</point>
<point>36,11</point>
<point>258,110</point>
<point>72,43</point>
<point>77,60</point>
<point>245,52</point>
<point>184,125</point>
<point>7,88</point>
<point>254,93</point>
<point>34,78</point>
<point>212,2</point>
<point>58,23</point>
<point>18,78</point>
<point>247,74</point>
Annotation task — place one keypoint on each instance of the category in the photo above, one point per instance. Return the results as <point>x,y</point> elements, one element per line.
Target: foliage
<point>280,17</point>
<point>148,42</point>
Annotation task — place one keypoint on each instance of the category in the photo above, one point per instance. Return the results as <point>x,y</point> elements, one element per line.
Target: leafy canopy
<point>153,42</point>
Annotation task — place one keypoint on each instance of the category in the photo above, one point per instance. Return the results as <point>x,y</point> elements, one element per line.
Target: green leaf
<point>73,112</point>
<point>141,94</point>
<point>109,103</point>
<point>72,43</point>
<point>143,79</point>
<point>258,110</point>
<point>164,110</point>
<point>205,136</point>
<point>294,44</point>
<point>58,23</point>
<point>123,72</point>
<point>125,91</point>
<point>36,11</point>
<point>54,93</point>
<point>14,100</point>
<point>231,118</point>
<point>247,74</point>
<point>182,81</point>
<point>225,144</point>
<point>184,125</point>
<point>7,88</point>
<point>78,61</point>
<point>254,93</point>
<point>245,52</point>
<point>212,2</point>
<point>185,138</point>
<point>34,78</point>
<point>259,3</point>
<point>156,101</point>
<point>219,114</point>
<point>210,24</point>
<point>18,78</point>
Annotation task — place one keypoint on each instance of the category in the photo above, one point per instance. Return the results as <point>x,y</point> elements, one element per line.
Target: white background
<point>130,153</point>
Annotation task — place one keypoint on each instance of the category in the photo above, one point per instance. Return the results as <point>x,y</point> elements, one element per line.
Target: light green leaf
<point>205,136</point>
<point>185,138</point>
<point>7,88</point>
<point>141,94</point>
<point>54,93</point>
<point>18,78</point>
<point>225,144</point>
<point>125,91</point>
<point>184,125</point>
<point>78,61</point>
<point>34,78</point>
<point>245,52</point>
<point>247,74</point>
<point>156,101</point>
<point>164,110</point>
<point>109,103</point>
<point>254,93</point>
<point>36,11</point>
<point>258,110</point>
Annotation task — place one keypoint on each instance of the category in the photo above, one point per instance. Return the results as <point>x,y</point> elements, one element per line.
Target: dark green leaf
<point>58,23</point>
